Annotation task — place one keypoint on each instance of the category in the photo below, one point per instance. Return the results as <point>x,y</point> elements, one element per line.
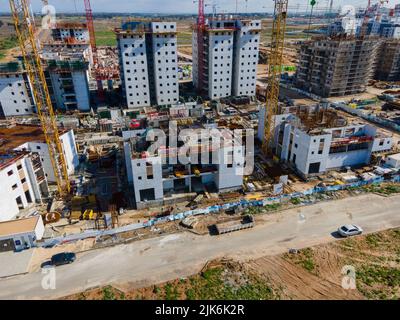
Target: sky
<point>184,6</point>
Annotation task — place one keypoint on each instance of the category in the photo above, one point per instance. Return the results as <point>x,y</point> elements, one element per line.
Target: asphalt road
<point>180,255</point>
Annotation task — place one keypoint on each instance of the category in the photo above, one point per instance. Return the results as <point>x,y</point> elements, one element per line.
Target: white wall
<point>230,167</point>
<point>70,154</point>
<point>220,63</point>
<point>81,85</point>
<point>12,187</point>
<point>15,96</point>
<point>247,40</point>
<point>142,181</point>
<point>165,57</point>
<point>135,78</point>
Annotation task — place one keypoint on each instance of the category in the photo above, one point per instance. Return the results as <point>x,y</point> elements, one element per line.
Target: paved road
<point>180,255</point>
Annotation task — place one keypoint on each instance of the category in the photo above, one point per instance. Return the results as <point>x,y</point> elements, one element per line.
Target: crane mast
<point>25,31</point>
<point>201,23</point>
<point>274,72</point>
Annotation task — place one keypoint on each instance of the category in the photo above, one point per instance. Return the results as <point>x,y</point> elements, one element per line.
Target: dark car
<point>63,258</point>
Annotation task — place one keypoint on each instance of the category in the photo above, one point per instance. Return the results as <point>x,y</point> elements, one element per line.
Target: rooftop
<point>13,137</point>
<point>395,156</point>
<point>10,158</point>
<point>8,228</point>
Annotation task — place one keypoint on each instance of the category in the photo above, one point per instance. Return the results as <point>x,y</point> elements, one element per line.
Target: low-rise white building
<point>320,144</point>
<point>31,138</point>
<point>23,182</point>
<point>17,235</point>
<point>158,175</point>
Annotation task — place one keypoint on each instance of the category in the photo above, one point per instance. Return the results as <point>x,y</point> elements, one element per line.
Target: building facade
<point>336,66</point>
<point>154,180</point>
<point>231,50</point>
<point>68,82</point>
<point>315,150</point>
<point>31,139</point>
<point>15,91</point>
<point>23,182</point>
<point>149,63</point>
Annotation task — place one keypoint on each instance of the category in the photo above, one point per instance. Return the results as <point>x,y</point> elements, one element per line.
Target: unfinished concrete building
<point>314,141</point>
<point>229,66</point>
<point>68,36</point>
<point>30,138</point>
<point>68,82</point>
<point>164,174</point>
<point>148,54</point>
<point>336,66</point>
<point>23,181</point>
<point>15,91</point>
<point>388,61</point>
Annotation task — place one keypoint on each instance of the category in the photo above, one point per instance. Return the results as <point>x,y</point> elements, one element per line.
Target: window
<point>19,167</point>
<point>14,186</point>
<point>9,173</point>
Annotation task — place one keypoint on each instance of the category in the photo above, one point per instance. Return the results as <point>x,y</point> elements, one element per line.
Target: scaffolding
<point>336,66</point>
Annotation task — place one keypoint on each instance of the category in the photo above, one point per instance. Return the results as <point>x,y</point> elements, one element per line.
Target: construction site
<point>115,144</point>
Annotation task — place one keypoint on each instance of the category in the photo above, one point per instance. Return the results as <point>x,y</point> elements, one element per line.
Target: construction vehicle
<point>245,222</point>
<point>274,72</point>
<point>25,32</point>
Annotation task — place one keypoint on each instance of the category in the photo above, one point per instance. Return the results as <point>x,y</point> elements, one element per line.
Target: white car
<point>349,230</point>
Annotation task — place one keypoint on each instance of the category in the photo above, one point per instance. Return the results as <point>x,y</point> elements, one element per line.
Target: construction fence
<point>218,208</point>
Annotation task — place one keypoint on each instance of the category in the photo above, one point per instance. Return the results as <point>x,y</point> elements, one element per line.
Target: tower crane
<point>274,72</point>
<point>200,26</point>
<point>25,31</point>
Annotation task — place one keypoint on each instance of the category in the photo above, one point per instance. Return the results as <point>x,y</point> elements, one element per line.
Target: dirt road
<point>180,255</point>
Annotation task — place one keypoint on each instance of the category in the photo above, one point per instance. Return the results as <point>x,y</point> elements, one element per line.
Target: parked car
<point>63,258</point>
<point>349,230</point>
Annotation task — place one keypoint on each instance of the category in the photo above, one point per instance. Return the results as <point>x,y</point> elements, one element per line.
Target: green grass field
<point>6,44</point>
<point>106,38</point>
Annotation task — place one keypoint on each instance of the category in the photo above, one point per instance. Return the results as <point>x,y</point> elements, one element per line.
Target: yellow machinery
<point>25,31</point>
<point>274,71</point>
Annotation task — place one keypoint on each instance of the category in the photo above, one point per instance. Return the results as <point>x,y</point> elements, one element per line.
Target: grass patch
<point>386,189</point>
<point>7,44</point>
<point>375,276</point>
<point>305,259</point>
<point>106,38</point>
<point>295,201</point>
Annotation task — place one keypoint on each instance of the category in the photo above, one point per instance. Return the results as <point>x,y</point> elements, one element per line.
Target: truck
<point>245,222</point>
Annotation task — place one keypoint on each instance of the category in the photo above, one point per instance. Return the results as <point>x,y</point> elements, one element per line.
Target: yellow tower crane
<point>274,72</point>
<point>25,31</point>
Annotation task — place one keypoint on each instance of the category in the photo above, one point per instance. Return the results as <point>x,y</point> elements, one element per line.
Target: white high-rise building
<point>229,64</point>
<point>246,50</point>
<point>149,63</point>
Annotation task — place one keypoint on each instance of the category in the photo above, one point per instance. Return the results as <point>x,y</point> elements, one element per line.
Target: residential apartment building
<point>336,66</point>
<point>313,143</point>
<point>229,64</point>
<point>388,61</point>
<point>15,91</point>
<point>23,182</point>
<point>68,37</point>
<point>149,63</point>
<point>155,180</point>
<point>68,81</point>
<point>31,139</point>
